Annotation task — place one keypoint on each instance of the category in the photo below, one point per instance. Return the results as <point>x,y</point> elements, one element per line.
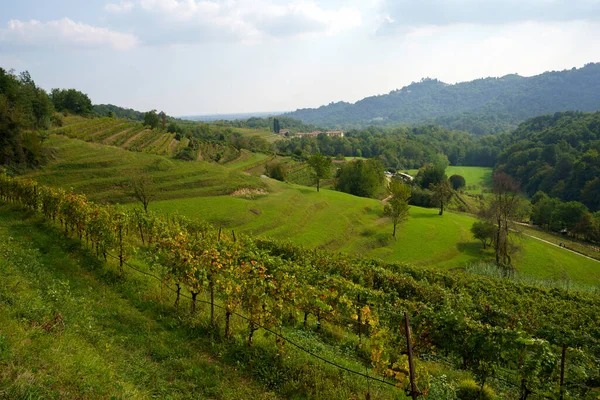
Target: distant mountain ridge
<point>481,106</point>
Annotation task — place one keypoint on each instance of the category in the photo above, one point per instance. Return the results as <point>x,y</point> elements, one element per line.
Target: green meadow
<point>478,179</point>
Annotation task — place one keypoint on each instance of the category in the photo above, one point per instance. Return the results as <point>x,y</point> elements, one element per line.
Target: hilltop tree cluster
<point>71,100</point>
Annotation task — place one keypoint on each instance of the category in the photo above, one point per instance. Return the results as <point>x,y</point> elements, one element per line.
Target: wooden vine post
<point>413,386</point>
<point>562,372</point>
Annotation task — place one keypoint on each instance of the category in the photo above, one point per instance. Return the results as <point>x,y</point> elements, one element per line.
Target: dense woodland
<point>482,106</point>
<point>557,154</point>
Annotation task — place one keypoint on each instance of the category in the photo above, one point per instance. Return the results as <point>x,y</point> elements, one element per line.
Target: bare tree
<point>143,188</point>
<point>504,207</point>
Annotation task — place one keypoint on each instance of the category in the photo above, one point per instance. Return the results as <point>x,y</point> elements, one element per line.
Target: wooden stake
<point>413,386</point>
<point>562,371</point>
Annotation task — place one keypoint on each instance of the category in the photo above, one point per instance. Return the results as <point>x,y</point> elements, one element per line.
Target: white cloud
<point>63,32</point>
<point>118,8</point>
<point>248,20</point>
<point>397,15</point>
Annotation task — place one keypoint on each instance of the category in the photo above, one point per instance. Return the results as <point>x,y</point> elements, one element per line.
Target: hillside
<point>557,154</point>
<point>229,198</point>
<point>481,106</point>
<point>275,311</point>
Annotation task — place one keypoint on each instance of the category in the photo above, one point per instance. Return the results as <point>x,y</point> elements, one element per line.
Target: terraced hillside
<point>128,135</point>
<point>134,136</point>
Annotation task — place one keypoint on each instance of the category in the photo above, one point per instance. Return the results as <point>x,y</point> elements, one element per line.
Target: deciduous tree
<point>321,167</point>
<point>442,192</point>
<point>143,189</point>
<point>151,119</point>
<point>396,207</point>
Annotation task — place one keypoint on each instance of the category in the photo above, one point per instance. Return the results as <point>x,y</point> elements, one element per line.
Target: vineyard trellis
<point>273,283</point>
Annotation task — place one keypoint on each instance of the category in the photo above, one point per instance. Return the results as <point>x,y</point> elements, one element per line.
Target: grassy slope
<point>329,219</point>
<point>70,332</point>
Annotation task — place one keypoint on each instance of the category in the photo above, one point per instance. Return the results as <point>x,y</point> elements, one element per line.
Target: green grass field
<point>477,179</point>
<point>332,220</point>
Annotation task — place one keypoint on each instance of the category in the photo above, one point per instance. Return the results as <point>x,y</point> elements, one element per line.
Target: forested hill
<point>481,106</point>
<point>558,154</point>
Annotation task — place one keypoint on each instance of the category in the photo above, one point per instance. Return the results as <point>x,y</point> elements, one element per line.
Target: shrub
<point>457,181</point>
<point>470,390</point>
<point>276,170</point>
<point>421,197</point>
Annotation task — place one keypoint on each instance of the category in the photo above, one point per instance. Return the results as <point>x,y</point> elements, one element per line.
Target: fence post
<point>413,386</point>
<point>359,321</point>
<point>562,372</point>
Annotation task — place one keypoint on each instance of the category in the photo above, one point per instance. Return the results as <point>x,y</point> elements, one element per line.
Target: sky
<point>192,57</point>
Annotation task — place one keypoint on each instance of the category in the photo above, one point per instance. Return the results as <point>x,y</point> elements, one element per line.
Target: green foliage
<point>174,128</point>
<point>483,231</point>
<point>421,197</point>
<point>458,182</point>
<point>71,100</point>
<point>24,109</point>
<point>429,175</point>
<point>557,154</point>
<point>402,147</point>
<point>442,192</point>
<point>103,110</point>
<point>151,119</point>
<point>396,207</point>
<point>360,178</point>
<point>470,390</point>
<point>276,170</point>
<point>321,167</point>
<point>276,127</point>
